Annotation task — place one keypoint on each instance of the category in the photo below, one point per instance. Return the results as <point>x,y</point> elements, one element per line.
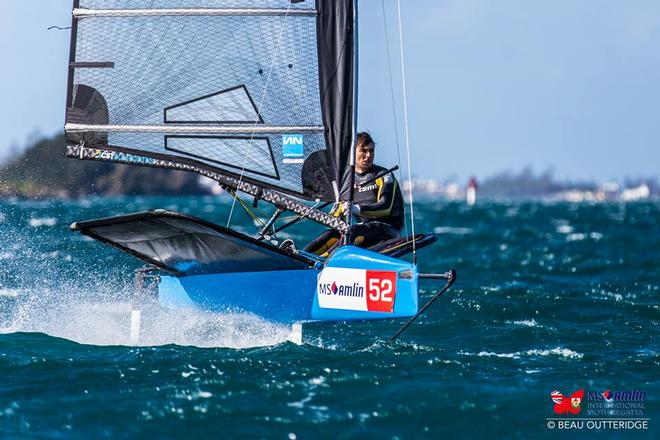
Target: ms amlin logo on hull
<point>603,410</point>
<point>357,289</point>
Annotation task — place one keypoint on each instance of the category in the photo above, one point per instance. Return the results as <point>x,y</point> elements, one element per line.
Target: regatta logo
<point>567,405</point>
<point>616,403</point>
<point>618,396</point>
<point>293,148</point>
<point>354,289</point>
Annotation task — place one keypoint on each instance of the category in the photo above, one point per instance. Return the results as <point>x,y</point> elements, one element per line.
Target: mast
<point>356,60</point>
<point>351,179</point>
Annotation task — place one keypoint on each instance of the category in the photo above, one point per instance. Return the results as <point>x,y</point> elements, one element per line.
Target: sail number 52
<point>381,290</point>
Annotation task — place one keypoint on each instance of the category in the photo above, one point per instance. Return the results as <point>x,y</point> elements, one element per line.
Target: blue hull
<point>355,284</point>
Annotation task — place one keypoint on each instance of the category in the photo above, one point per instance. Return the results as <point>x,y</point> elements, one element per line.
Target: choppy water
<point>549,297</point>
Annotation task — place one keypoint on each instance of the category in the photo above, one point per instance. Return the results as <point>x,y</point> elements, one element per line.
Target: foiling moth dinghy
<point>261,96</point>
<point>194,263</point>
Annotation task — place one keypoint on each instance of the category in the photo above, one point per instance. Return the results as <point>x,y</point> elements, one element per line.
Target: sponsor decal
<point>293,148</point>
<point>370,187</point>
<point>103,154</point>
<point>604,410</point>
<point>357,289</point>
<point>121,157</point>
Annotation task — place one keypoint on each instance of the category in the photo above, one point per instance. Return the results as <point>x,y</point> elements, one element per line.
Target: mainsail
<point>259,92</point>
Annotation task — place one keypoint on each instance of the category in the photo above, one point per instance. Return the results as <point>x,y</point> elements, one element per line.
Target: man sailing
<point>377,204</point>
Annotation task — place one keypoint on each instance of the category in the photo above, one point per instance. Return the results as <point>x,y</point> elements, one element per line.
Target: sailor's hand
<point>343,208</point>
<point>338,209</point>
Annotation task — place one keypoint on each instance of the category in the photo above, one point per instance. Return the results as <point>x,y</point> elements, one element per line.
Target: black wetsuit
<point>381,213</point>
<point>379,201</point>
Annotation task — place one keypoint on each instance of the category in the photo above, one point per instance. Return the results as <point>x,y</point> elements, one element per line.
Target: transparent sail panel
<point>243,154</point>
<point>234,105</point>
<point>198,70</point>
<point>267,158</point>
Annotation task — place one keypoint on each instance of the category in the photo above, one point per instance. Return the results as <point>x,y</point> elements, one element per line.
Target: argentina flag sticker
<point>293,148</point>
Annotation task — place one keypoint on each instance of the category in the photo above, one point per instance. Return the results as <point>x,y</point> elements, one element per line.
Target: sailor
<point>377,204</point>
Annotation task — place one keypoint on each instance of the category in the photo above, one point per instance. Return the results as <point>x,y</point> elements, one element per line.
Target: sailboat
<point>260,96</point>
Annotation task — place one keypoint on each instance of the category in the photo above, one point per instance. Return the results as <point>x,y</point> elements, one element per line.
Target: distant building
<point>471,192</point>
<point>639,193</point>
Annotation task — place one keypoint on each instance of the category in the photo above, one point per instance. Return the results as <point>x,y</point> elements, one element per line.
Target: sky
<point>492,85</point>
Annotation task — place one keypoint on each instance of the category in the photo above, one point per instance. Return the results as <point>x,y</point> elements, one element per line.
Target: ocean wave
<point>106,324</point>
<point>452,230</point>
<point>558,351</point>
<point>10,293</point>
<point>42,221</point>
<point>564,229</point>
<point>525,323</point>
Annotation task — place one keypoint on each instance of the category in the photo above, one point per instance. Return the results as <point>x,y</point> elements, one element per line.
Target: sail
<point>260,90</point>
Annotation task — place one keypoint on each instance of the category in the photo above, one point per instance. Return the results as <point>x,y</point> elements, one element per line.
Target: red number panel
<point>381,290</point>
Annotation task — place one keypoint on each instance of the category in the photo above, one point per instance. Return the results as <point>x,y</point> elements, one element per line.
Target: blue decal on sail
<point>293,148</point>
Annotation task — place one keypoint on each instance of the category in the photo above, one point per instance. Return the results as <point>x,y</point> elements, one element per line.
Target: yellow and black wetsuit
<point>379,201</point>
<point>380,213</point>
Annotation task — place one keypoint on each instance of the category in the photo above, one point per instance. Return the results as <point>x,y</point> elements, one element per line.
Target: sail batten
<point>196,129</point>
<point>174,12</point>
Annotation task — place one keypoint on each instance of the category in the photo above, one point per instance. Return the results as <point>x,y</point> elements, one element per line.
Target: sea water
<point>549,297</point>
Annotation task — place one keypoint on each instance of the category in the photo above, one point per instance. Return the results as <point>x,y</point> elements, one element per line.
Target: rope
<point>392,99</point>
<point>247,209</point>
<point>405,119</point>
<point>261,102</point>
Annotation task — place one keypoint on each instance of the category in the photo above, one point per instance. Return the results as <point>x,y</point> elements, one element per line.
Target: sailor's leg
<point>371,233</point>
<point>323,242</point>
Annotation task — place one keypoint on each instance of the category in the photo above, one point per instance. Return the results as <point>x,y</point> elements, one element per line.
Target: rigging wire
<point>247,209</point>
<point>261,102</point>
<point>392,98</point>
<point>405,122</point>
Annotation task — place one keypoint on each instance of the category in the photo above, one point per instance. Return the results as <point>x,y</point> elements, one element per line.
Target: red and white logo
<point>357,289</point>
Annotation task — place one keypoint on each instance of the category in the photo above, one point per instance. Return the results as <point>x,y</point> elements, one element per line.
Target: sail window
<point>234,105</point>
<point>252,155</point>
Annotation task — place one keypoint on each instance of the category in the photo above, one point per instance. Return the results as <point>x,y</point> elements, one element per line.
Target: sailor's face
<point>364,157</point>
